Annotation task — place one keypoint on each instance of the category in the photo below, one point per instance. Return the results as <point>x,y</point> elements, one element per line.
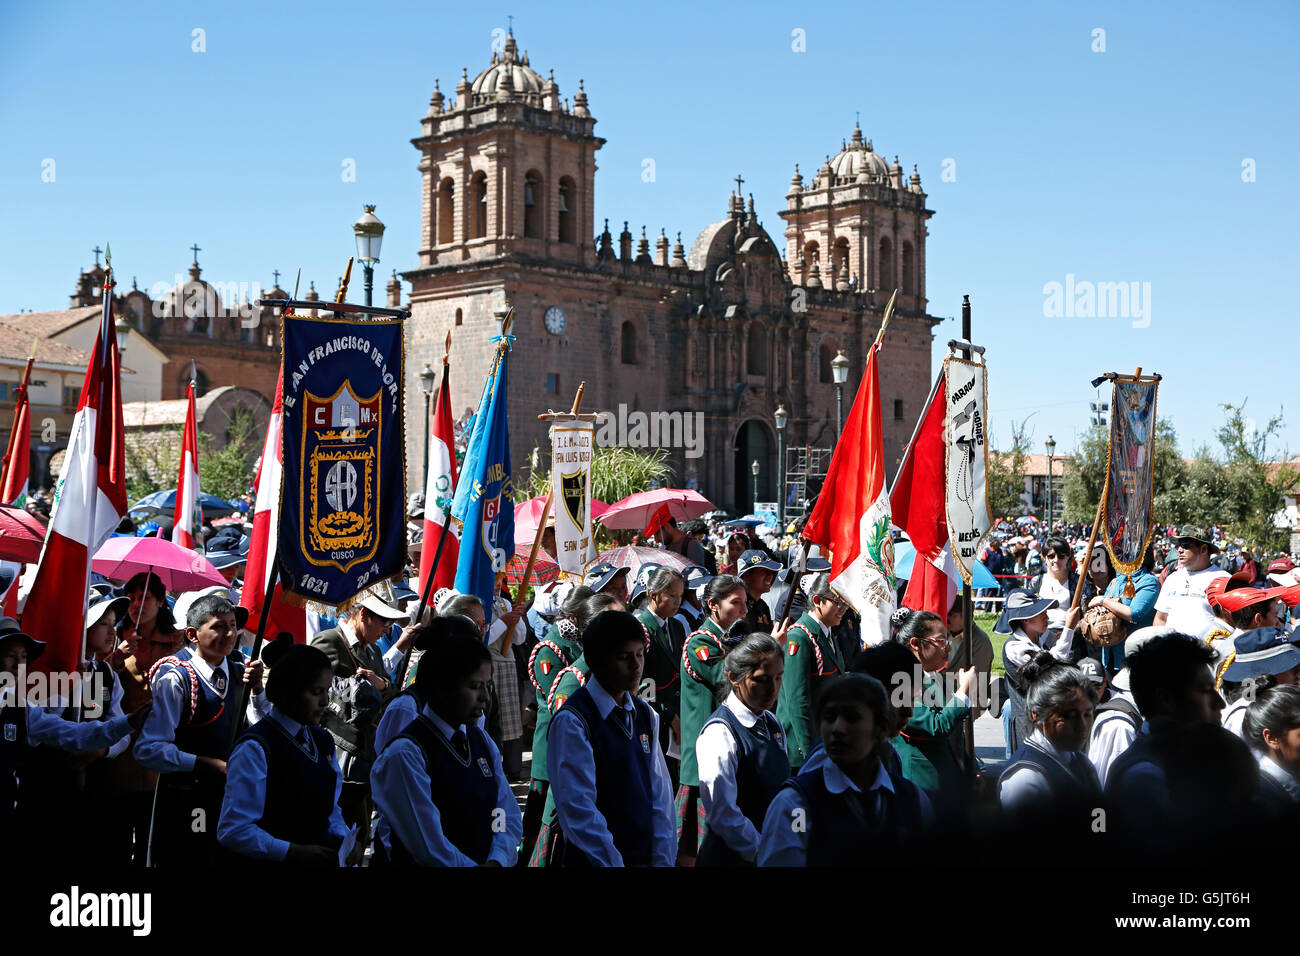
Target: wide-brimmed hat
<point>181,611</point>
<point>1260,651</point>
<point>1191,532</point>
<point>1239,598</point>
<point>376,605</point>
<point>415,505</point>
<point>10,631</point>
<point>1021,605</point>
<point>225,559</point>
<point>643,579</point>
<point>696,576</point>
<point>116,606</point>
<point>1131,644</point>
<point>598,576</point>
<point>1283,573</point>
<point>755,559</point>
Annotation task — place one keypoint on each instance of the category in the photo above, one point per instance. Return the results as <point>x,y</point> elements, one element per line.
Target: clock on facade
<point>555,319</point>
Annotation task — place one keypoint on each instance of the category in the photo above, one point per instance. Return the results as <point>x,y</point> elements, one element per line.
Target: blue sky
<point>1117,166</point>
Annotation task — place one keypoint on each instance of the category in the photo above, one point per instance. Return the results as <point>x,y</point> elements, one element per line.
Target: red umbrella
<point>544,569</point>
<point>21,535</point>
<point>635,511</point>
<point>529,513</point>
<point>179,569</point>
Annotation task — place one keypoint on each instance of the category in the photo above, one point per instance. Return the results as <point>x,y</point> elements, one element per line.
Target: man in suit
<point>353,652</point>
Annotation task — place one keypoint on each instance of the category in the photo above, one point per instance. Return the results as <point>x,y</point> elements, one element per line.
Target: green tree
<point>616,472</point>
<point>1253,485</point>
<point>227,472</point>
<point>1085,475</point>
<point>1005,481</point>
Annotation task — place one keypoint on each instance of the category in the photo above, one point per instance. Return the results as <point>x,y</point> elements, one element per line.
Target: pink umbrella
<point>635,511</point>
<point>529,513</point>
<point>633,557</point>
<point>179,569</point>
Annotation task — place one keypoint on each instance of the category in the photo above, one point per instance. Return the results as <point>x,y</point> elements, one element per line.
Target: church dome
<point>508,75</point>
<point>191,300</point>
<point>856,160</point>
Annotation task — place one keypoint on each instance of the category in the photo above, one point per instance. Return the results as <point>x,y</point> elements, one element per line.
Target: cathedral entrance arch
<point>754,443</point>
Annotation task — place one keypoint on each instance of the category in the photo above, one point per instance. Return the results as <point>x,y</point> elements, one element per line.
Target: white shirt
<point>1112,734</point>
<point>1234,717</point>
<point>1279,774</point>
<point>1020,648</point>
<point>245,798</point>
<point>1049,587</point>
<point>400,785</point>
<point>572,767</point>
<point>1182,598</point>
<point>156,747</point>
<point>718,755</point>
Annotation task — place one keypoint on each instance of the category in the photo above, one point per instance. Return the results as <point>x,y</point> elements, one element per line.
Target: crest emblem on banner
<point>491,508</point>
<point>340,459</point>
<point>574,487</point>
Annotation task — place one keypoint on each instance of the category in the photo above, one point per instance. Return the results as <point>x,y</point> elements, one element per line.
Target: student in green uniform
<point>812,657</point>
<point>553,653</point>
<point>758,571</point>
<point>563,685</point>
<point>704,685</point>
<point>934,718</point>
<point>661,685</point>
<point>894,666</point>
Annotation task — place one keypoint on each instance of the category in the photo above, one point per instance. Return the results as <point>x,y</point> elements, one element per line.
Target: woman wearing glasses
<point>1058,580</point>
<point>812,657</point>
<point>934,718</point>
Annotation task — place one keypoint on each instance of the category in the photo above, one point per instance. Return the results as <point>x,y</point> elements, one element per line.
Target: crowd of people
<point>722,714</point>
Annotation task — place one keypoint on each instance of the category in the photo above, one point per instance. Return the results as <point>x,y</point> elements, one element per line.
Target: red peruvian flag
<point>266,534</point>
<point>438,489</point>
<point>918,506</point>
<point>851,516</point>
<point>89,502</point>
<point>187,483</point>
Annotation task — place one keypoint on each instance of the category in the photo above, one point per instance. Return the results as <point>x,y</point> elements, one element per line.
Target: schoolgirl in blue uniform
<point>440,783</point>
<point>282,782</point>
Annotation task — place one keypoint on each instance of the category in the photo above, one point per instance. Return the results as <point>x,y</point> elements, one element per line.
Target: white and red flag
<point>438,490</point>
<point>187,483</point>
<point>89,502</point>
<point>265,538</point>
<point>917,500</point>
<point>852,514</point>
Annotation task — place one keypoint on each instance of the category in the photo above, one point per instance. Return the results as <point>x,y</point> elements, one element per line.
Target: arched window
<point>886,265</point>
<point>909,270</point>
<point>478,191</point>
<point>446,213</point>
<point>824,357</point>
<point>840,255</point>
<point>532,205</point>
<point>568,213</point>
<point>756,350</point>
<point>460,317</point>
<point>811,253</point>
<point>629,343</point>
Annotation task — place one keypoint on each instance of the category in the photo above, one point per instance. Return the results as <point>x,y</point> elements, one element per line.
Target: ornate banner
<point>571,444</point>
<point>342,527</point>
<point>966,466</point>
<point>1130,462</point>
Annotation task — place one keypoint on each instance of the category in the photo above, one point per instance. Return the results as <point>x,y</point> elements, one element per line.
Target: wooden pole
<point>13,433</point>
<point>967,605</point>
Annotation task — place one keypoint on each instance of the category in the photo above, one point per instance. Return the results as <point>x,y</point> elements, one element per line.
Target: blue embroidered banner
<point>342,521</point>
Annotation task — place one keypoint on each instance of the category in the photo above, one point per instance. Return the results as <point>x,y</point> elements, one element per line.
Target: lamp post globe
<point>840,374</point>
<point>1051,466</point>
<point>782,417</point>
<point>369,232</point>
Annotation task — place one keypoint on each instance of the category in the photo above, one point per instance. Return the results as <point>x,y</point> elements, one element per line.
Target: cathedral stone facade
<point>731,327</point>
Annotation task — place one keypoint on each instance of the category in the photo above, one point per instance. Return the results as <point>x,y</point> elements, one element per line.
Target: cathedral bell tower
<point>509,167</point>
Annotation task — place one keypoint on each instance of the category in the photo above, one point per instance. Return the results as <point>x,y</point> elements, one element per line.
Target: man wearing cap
<point>608,579</point>
<point>1182,604</point>
<point>758,571</point>
<point>677,541</point>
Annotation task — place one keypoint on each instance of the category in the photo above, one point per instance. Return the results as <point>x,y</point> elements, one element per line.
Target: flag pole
<point>546,513</point>
<point>967,604</point>
<point>446,515</point>
<point>13,431</point>
<point>237,718</point>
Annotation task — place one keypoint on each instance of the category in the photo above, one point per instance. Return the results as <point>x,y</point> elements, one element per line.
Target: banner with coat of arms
<point>966,470</point>
<point>571,445</point>
<point>342,526</point>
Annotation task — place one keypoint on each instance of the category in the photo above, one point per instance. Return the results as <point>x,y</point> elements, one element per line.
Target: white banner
<point>966,467</point>
<point>575,546</point>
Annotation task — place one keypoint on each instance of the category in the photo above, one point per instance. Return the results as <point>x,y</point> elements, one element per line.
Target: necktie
<point>461,743</point>
<point>623,718</point>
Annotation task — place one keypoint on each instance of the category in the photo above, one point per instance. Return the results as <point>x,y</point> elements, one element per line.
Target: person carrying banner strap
<point>187,736</point>
<point>812,658</point>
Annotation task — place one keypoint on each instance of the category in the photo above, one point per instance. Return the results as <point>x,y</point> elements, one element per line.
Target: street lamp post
<point>123,329</point>
<point>840,373</point>
<point>781,416</point>
<point>370,234</point>
<point>426,383</point>
<point>754,469</point>
<point>1051,459</point>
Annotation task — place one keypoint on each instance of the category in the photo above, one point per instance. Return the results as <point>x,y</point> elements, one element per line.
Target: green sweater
<point>702,675</point>
<point>662,669</point>
<point>811,658</point>
<point>929,729</point>
<point>543,668</point>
